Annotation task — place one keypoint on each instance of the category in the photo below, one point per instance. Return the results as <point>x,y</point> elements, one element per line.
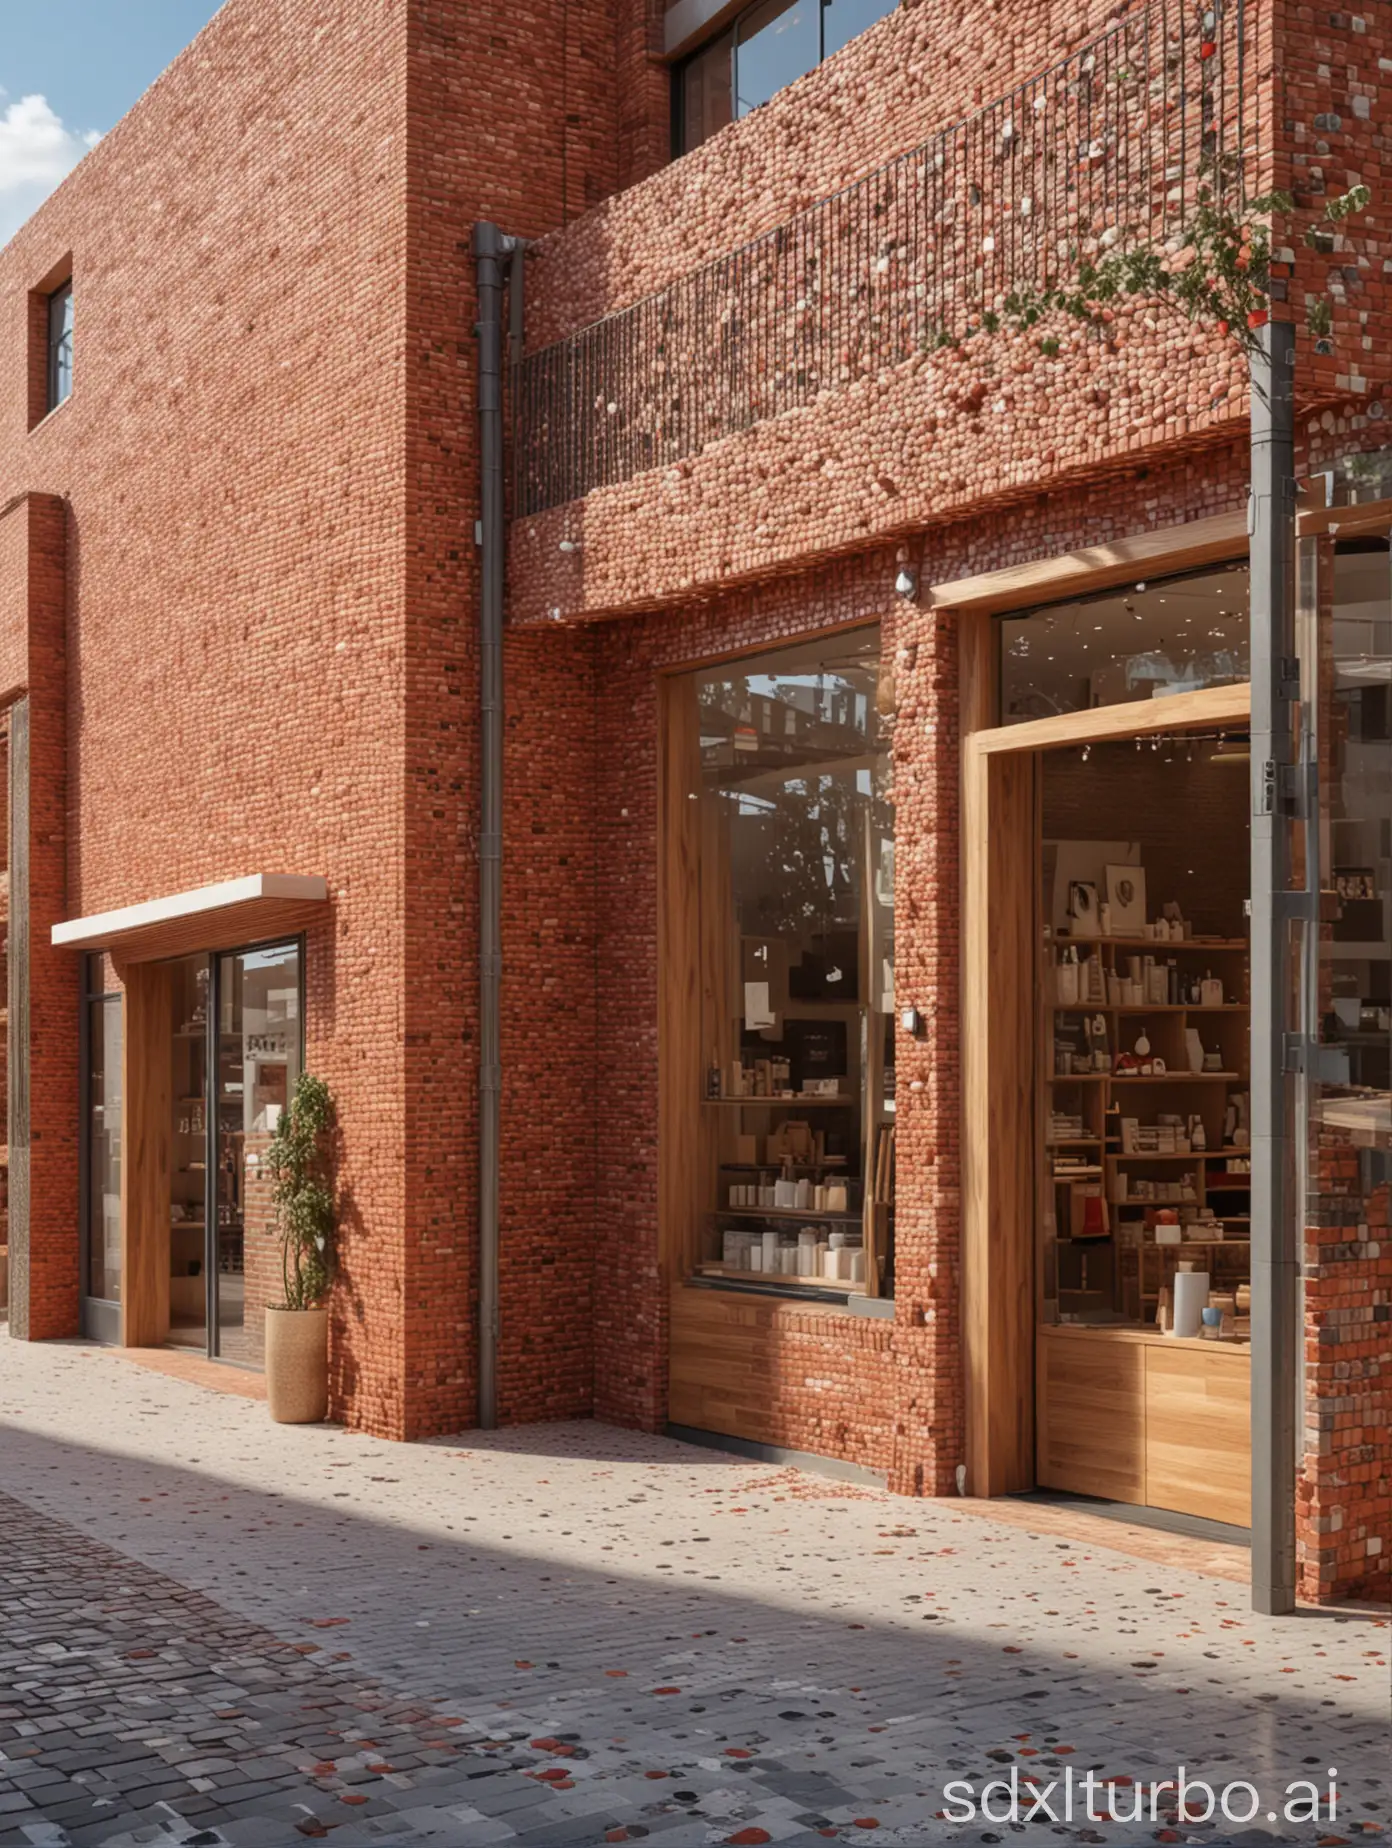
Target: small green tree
<point>305,1209</point>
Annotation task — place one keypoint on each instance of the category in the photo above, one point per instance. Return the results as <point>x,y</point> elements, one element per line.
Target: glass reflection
<point>843,20</point>
<point>796,897</point>
<point>189,981</point>
<point>707,92</point>
<point>777,42</point>
<point>1354,974</point>
<point>258,1065</point>
<point>771,45</point>
<point>1144,642</point>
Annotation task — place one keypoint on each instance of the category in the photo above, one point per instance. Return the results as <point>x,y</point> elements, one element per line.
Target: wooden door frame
<point>999,943</point>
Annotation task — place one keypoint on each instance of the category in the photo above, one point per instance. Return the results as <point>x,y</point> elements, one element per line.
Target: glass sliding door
<point>258,1063</point>
<point>101,1156</point>
<point>188,1153</point>
<point>225,1034</point>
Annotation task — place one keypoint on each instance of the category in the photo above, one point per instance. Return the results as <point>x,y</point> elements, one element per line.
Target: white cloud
<point>36,151</point>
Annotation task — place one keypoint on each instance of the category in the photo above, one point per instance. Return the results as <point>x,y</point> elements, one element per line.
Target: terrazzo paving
<point>218,1630</point>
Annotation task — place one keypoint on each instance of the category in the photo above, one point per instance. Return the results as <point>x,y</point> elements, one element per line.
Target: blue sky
<point>67,73</point>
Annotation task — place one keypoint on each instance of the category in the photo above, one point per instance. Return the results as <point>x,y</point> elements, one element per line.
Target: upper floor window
<point>769,46</point>
<point>60,345</point>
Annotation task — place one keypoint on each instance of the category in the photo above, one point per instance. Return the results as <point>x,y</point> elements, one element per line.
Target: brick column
<point>929,1423</point>
<point>43,984</point>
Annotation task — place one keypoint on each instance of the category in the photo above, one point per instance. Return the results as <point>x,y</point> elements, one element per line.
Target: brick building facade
<point>240,603</point>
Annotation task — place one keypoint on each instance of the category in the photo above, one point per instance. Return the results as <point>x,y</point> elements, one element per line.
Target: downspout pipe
<point>494,254</point>
<point>1275,1251</point>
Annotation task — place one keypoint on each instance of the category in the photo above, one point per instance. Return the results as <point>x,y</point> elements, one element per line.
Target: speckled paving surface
<point>220,1630</point>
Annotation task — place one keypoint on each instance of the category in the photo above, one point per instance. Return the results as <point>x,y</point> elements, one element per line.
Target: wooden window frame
<point>998,821</point>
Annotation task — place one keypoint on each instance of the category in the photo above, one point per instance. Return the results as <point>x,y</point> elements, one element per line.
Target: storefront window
<point>795,848</point>
<point>1175,635</point>
<point>103,1109</point>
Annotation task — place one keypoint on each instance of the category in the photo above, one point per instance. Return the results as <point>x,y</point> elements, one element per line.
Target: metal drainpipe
<point>492,250</point>
<point>1275,686</point>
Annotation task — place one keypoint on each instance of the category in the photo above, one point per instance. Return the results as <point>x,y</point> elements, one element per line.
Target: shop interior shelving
<point>1117,1274</point>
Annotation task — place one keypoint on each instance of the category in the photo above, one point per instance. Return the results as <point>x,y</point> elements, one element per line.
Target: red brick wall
<point>233,462</point>
<point>53,976</point>
<point>1345,1492</point>
<point>43,1154</point>
<point>557,838</point>
<point>509,117</point>
<point>268,459</point>
<point>268,463</point>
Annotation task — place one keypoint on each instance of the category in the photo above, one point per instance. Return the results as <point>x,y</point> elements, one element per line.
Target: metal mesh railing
<point>1113,142</point>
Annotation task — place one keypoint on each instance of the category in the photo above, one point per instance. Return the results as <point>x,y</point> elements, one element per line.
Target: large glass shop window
<point>796,901</point>
<point>1148,640</point>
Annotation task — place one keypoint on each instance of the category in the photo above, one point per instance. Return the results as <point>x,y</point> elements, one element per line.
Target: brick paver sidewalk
<point>220,1630</point>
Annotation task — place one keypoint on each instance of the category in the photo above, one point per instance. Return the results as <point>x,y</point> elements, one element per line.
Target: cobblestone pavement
<point>218,1630</point>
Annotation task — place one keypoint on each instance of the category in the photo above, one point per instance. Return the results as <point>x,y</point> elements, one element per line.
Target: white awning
<point>211,917</point>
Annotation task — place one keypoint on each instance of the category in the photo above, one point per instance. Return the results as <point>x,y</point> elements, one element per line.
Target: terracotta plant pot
<point>297,1365</point>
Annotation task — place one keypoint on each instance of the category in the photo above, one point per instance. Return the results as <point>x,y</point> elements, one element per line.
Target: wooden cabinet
<point>1139,1417</point>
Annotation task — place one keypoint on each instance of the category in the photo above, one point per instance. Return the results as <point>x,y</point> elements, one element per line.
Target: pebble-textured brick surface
<point>947,432</point>
<point>269,470</point>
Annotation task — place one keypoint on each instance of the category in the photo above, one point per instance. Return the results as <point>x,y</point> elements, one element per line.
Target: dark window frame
<point>61,324</point>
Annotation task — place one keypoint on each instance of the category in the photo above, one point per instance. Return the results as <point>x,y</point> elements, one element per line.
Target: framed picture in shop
<point>1126,900</point>
<point>1082,908</point>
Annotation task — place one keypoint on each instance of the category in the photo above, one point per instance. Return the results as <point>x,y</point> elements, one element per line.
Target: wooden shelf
<point>789,1103</point>
<point>1126,1079</point>
<point>1202,1244</point>
<point>841,1286</point>
<point>1156,1007</point>
<point>786,1212</point>
<point>1169,1155</point>
<point>1155,943</point>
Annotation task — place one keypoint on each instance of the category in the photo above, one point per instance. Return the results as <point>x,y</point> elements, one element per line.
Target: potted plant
<point>297,1331</point>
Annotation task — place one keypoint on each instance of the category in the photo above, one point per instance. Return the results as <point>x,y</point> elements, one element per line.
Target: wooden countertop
<point>1144,1337</point>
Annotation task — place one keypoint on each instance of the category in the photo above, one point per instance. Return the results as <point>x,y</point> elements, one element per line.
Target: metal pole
<point>1275,685</point>
<point>491,249</point>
